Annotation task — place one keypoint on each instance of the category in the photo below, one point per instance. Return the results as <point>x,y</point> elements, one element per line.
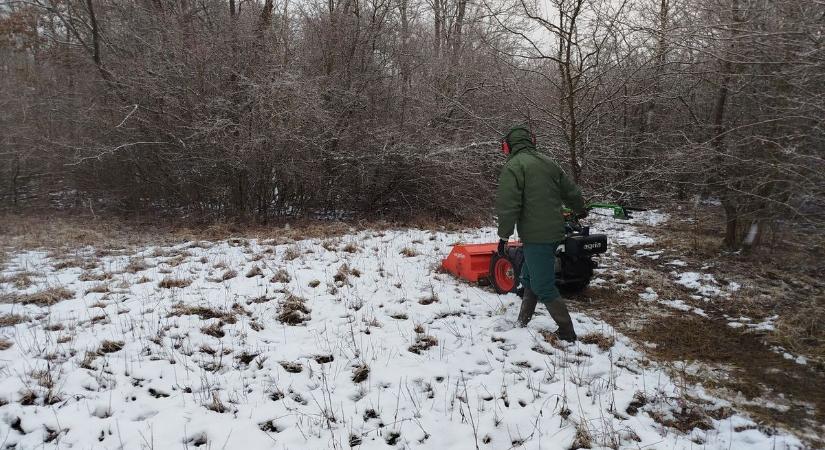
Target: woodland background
<point>261,111</point>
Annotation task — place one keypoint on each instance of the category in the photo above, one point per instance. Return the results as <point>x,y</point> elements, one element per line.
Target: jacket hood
<point>519,138</point>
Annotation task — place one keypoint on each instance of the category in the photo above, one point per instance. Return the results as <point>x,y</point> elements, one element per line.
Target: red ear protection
<point>505,147</point>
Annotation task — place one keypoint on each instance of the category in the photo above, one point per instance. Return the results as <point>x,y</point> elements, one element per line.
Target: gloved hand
<point>582,214</point>
<point>502,248</point>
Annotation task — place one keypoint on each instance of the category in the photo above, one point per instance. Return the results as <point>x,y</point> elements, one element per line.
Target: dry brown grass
<point>46,297</point>
<point>107,346</point>
<point>91,276</point>
<point>292,367</point>
<point>583,438</point>
<point>9,320</point>
<point>685,418</point>
<point>20,280</point>
<point>423,342</point>
<point>409,252</point>
<point>603,341</point>
<point>69,231</point>
<point>55,230</point>
<point>214,330</point>
<point>803,330</point>
<point>782,276</point>
<point>293,310</point>
<point>217,406</point>
<point>170,282</point>
<point>255,271</point>
<point>552,339</point>
<point>137,265</point>
<point>205,313</point>
<point>5,344</point>
<point>323,359</point>
<point>752,367</point>
<point>281,276</point>
<point>98,289</point>
<point>291,253</point>
<point>228,275</point>
<point>360,373</point>
<point>342,276</point>
<point>430,299</point>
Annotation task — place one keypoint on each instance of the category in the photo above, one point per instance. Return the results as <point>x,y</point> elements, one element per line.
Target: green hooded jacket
<point>531,191</point>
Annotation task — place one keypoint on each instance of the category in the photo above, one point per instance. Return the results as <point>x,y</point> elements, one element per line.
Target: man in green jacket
<point>531,191</point>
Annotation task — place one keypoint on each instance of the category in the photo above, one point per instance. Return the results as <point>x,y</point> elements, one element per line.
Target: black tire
<point>573,287</point>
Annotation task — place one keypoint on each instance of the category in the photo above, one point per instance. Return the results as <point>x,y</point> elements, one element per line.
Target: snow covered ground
<point>358,341</point>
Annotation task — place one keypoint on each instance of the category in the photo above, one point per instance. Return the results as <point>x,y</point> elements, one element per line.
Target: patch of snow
<point>676,304</point>
<point>620,232</point>
<point>704,283</point>
<point>682,306</point>
<point>649,295</point>
<point>598,281</point>
<point>197,356</point>
<point>676,262</point>
<point>767,325</point>
<point>649,254</point>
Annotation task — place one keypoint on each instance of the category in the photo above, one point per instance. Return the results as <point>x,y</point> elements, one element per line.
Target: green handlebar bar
<point>619,211</point>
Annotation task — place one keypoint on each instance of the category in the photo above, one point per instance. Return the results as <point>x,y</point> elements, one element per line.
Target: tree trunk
<point>438,25</point>
<point>459,25</point>
<point>266,16</point>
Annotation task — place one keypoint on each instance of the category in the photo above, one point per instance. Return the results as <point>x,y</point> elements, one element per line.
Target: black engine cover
<point>585,245</point>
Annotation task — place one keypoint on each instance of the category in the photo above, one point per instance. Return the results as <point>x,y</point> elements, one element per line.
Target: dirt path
<point>741,365</point>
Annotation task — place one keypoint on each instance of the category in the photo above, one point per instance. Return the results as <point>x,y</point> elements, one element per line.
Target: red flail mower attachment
<point>472,262</point>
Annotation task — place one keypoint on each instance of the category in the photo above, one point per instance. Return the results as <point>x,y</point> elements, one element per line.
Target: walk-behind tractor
<point>574,261</point>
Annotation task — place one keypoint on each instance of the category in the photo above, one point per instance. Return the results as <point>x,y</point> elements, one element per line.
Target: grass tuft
<point>10,320</point>
<point>360,373</point>
<point>292,253</point>
<point>180,309</point>
<point>91,276</point>
<point>583,438</point>
<point>422,343</point>
<point>101,288</point>
<point>604,342</point>
<point>228,275</point>
<point>292,367</point>
<point>20,280</point>
<point>46,297</point>
<point>280,276</point>
<point>170,282</point>
<point>293,310</point>
<point>137,265</point>
<point>107,346</point>
<point>214,330</point>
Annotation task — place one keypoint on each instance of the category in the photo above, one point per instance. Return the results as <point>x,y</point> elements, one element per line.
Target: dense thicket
<point>258,110</point>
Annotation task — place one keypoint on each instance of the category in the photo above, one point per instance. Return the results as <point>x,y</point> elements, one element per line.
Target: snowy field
<point>358,341</point>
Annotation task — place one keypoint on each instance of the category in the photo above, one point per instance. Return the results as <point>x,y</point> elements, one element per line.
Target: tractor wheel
<point>574,287</point>
<point>502,274</point>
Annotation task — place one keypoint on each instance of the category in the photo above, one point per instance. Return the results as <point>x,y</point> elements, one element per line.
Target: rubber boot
<point>559,313</point>
<point>528,307</point>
